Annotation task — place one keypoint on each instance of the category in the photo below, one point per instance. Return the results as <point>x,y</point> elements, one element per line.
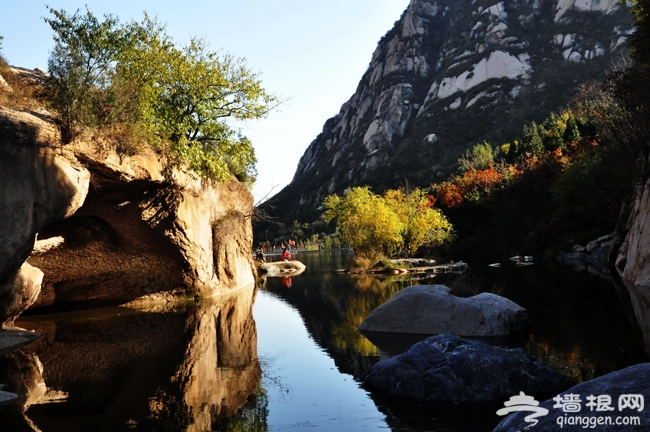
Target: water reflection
<point>578,324</point>
<point>170,368</point>
<point>188,368</point>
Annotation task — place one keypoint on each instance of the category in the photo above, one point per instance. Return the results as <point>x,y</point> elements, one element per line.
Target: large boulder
<point>19,293</point>
<point>281,268</point>
<point>625,394</point>
<point>448,368</point>
<point>432,309</point>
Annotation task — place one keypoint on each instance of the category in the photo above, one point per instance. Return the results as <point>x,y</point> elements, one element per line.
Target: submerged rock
<point>432,309</point>
<point>448,368</point>
<point>627,390</point>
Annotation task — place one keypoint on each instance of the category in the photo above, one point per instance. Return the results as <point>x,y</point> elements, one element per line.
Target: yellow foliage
<point>373,224</point>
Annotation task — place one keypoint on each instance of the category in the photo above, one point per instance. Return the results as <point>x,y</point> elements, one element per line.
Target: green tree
<point>181,99</point>
<point>553,130</point>
<point>572,131</point>
<point>479,157</point>
<point>186,97</point>
<point>531,140</point>
<point>80,65</point>
<point>365,221</point>
<point>421,223</point>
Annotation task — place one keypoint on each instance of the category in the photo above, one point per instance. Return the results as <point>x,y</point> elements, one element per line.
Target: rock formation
<point>38,186</point>
<point>110,228</point>
<point>448,368</point>
<point>630,259</point>
<point>594,256</point>
<point>281,268</point>
<point>431,309</point>
<point>448,75</point>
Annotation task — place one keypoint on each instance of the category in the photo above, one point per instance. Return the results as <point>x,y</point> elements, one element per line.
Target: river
<point>292,357</point>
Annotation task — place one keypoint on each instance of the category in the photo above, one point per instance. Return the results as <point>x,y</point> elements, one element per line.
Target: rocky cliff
<point>630,259</point>
<point>448,75</point>
<point>80,223</point>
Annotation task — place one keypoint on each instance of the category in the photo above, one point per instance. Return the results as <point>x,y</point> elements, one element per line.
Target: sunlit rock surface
<point>38,186</point>
<point>281,268</point>
<point>432,309</point>
<point>152,368</point>
<point>631,256</point>
<point>18,293</point>
<point>104,227</point>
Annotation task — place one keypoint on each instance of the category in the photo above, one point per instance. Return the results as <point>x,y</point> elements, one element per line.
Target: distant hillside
<point>450,74</point>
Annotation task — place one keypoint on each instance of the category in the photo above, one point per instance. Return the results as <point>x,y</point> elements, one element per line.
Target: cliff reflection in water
<point>176,368</point>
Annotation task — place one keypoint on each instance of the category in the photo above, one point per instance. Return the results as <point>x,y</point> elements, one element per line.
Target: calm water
<point>293,356</point>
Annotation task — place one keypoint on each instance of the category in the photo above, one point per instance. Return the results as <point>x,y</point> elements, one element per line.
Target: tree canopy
<point>374,224</point>
<point>133,77</point>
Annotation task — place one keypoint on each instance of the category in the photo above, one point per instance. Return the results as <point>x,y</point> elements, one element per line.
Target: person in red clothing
<point>285,254</point>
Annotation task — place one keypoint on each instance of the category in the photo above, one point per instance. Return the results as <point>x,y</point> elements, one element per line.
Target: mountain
<point>448,75</point>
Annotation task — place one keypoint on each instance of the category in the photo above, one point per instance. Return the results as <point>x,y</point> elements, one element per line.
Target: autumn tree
<point>375,224</point>
<point>365,221</point>
<point>421,223</point>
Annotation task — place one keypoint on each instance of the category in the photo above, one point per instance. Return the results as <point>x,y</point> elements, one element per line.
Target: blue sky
<point>310,52</point>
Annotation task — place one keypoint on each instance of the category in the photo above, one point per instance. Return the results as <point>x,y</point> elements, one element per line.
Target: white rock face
<point>584,5</point>
<point>499,64</point>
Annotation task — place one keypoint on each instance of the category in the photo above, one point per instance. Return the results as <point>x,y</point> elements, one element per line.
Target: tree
<point>80,65</point>
<point>421,223</point>
<point>133,75</point>
<point>365,221</point>
<point>185,98</point>
<point>375,224</point>
<point>479,157</point>
<point>531,141</point>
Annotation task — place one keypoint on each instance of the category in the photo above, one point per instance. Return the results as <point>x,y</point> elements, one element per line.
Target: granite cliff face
<point>448,75</point>
<point>630,256</point>
<point>79,223</point>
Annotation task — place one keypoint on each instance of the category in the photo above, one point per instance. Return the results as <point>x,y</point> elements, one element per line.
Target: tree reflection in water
<point>153,368</point>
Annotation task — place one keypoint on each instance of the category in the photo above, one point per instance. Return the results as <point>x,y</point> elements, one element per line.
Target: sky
<point>310,53</point>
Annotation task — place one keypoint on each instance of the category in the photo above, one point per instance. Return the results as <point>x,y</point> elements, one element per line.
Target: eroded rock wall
<point>38,186</point>
<point>631,259</point>
<point>111,228</point>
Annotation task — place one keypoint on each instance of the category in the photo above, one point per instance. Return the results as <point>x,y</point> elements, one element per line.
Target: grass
<point>23,95</point>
